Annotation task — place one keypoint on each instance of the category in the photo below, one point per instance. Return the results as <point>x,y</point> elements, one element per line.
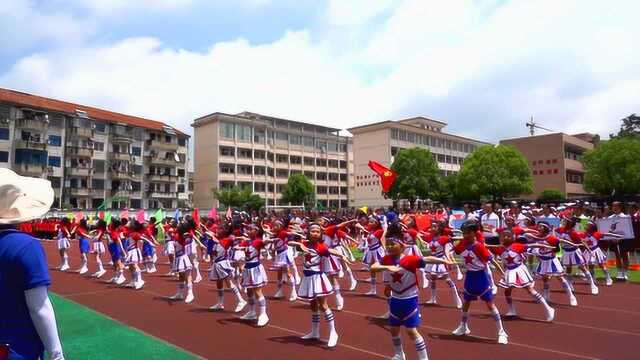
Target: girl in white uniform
<point>254,276</point>
<point>63,243</point>
<point>374,251</point>
<point>315,285</point>
<point>283,262</point>
<point>442,248</point>
<point>99,248</point>
<point>181,263</point>
<point>593,255</point>
<point>221,270</point>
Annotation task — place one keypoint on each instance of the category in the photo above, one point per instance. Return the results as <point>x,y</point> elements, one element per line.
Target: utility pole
<point>532,126</point>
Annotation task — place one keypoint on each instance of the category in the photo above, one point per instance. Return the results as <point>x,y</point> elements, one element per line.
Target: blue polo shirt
<point>23,266</point>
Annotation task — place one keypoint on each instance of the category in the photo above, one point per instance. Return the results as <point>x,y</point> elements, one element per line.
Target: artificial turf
<point>89,335</point>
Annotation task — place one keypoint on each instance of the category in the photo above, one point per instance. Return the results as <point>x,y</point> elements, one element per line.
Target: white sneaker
<point>177,296</point>
<point>399,357</point>
<point>138,285</point>
<point>293,296</point>
<point>83,270</point>
<point>353,284</point>
<point>311,335</point>
<point>263,319</point>
<point>620,276</point>
<point>459,277</point>
<point>251,315</point>
<point>189,299</point>
<point>372,292</point>
<point>120,280</point>
<point>594,290</point>
<point>425,282</point>
<point>131,284</point>
<point>241,305</point>
<point>152,270</point>
<point>99,274</point>
<point>333,339</point>
<point>432,301</point>
<point>64,267</point>
<point>494,289</point>
<point>609,281</point>
<point>278,294</point>
<point>339,303</point>
<point>384,316</point>
<point>198,279</point>
<point>573,301</point>
<point>217,307</point>
<point>503,338</point>
<point>551,313</point>
<point>511,312</point>
<point>462,329</point>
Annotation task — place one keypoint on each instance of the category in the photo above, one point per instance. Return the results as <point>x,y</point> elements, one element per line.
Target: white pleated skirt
<point>169,248</point>
<point>254,276</point>
<point>63,243</point>
<point>220,270</point>
<point>549,267</point>
<point>519,277</point>
<point>594,257</point>
<point>572,258</point>
<point>373,256</point>
<point>313,286</point>
<point>133,257</point>
<point>437,270</point>
<point>181,263</point>
<point>284,258</point>
<point>98,247</point>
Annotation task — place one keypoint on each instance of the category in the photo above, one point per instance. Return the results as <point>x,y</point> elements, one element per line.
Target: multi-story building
<point>381,142</point>
<point>554,160</point>
<point>260,152</point>
<point>93,157</point>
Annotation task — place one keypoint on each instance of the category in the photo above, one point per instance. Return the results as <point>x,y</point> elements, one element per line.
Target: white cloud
<point>484,67</point>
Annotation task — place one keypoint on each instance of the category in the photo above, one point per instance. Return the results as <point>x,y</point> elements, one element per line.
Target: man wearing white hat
<point>28,327</point>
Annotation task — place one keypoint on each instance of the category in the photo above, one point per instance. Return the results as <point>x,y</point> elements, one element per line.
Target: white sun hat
<point>23,198</point>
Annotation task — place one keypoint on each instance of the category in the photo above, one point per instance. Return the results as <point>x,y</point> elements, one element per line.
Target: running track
<point>606,326</point>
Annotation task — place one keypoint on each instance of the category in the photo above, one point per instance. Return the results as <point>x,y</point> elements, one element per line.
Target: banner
<point>387,176</point>
<point>617,225</point>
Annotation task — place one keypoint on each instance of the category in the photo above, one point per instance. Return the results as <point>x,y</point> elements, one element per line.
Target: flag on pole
<point>107,217</point>
<point>124,214</point>
<point>364,209</point>
<point>177,215</point>
<point>140,216</point>
<point>213,213</point>
<point>101,215</point>
<point>196,217</point>
<point>387,176</point>
<point>229,213</point>
<point>159,215</point>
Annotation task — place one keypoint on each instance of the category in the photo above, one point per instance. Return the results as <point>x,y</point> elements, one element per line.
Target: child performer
<point>148,247</point>
<point>516,273</point>
<point>98,248</point>
<point>254,277</point>
<point>548,264</point>
<point>181,263</point>
<point>402,288</point>
<point>315,285</point>
<point>283,261</point>
<point>333,265</point>
<point>375,249</point>
<point>83,236</point>
<point>221,270</point>
<point>442,248</point>
<point>170,235</point>
<point>572,255</point>
<point>134,256</point>
<point>592,253</point>
<point>117,251</point>
<point>476,282</point>
<point>63,242</point>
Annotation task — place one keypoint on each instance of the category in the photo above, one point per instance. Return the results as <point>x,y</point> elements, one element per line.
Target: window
<point>411,137</point>
<point>321,189</point>
<point>282,136</point>
<point>227,151</point>
<point>394,151</point>
<point>100,127</point>
<point>574,177</point>
<point>295,159</point>
<point>99,146</point>
<point>333,176</point>
<point>295,139</point>
<point>226,184</point>
<point>259,187</point>
<point>403,135</point>
<point>321,176</point>
<point>447,159</point>
<point>245,169</point>
<point>181,172</point>
<point>333,190</point>
<point>245,185</point>
<point>321,162</point>
<point>343,190</point>
<point>270,172</point>
<point>270,187</point>
<point>282,158</point>
<point>440,158</point>
<point>181,188</point>
<point>535,172</point>
<point>342,147</point>
<point>136,151</point>
<point>307,141</point>
<point>4,156</point>
<point>97,184</point>
<point>227,168</point>
<point>259,170</point>
<point>343,164</point>
<point>343,177</point>
<point>258,136</point>
<point>270,156</point>
<point>308,161</point>
<point>29,156</point>
<point>394,134</point>
<point>333,163</point>
<point>321,145</point>
<point>4,134</point>
<point>226,130</point>
<point>55,140</point>
<point>244,133</point>
<point>182,142</point>
<point>333,147</point>
<point>279,188</point>
<point>310,175</point>
<point>55,181</point>
<point>282,173</point>
<point>54,161</point>
<point>244,153</point>
<point>258,154</point>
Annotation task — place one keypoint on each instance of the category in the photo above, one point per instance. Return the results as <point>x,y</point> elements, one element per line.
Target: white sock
<point>496,316</point>
<point>397,344</point>
<point>220,296</point>
<point>540,299</point>
<point>100,267</point>
<point>421,348</point>
<point>262,303</point>
<point>330,319</point>
<point>236,292</point>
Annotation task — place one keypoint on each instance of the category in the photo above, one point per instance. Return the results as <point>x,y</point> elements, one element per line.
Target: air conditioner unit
<point>5,120</point>
<point>46,118</point>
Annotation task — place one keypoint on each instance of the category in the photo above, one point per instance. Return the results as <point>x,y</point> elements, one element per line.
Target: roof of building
<point>40,102</point>
<point>251,115</point>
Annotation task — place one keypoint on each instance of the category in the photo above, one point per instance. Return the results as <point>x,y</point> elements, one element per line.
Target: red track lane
<point>606,326</point>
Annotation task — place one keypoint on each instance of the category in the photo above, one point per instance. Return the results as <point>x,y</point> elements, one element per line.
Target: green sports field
<point>89,335</point>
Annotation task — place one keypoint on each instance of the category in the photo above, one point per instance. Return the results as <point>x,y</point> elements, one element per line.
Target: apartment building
<point>260,152</point>
<point>93,157</point>
<point>381,141</point>
<point>554,160</point>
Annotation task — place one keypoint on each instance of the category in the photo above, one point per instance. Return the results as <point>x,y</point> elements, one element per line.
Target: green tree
<point>551,194</point>
<point>630,127</point>
<point>299,190</point>
<point>447,190</point>
<point>613,168</point>
<point>495,172</point>
<point>254,202</point>
<point>239,197</point>
<point>418,175</point>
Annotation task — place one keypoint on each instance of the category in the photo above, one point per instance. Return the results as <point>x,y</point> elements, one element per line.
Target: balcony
<point>84,132</point>
<point>156,144</point>
<point>120,156</point>
<point>121,175</point>
<point>162,195</point>
<point>79,151</point>
<point>96,192</point>
<point>26,144</point>
<point>32,124</point>
<point>160,161</point>
<point>76,171</point>
<point>122,138</point>
<point>33,170</point>
<point>125,193</point>
<point>162,178</point>
<point>78,191</point>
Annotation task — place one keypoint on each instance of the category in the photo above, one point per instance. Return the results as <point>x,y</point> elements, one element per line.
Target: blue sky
<point>483,66</point>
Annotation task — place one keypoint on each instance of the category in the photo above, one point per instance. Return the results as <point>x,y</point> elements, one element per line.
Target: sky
<point>485,67</point>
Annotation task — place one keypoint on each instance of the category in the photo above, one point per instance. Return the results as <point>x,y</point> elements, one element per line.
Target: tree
<point>630,127</point>
<point>418,175</point>
<point>495,172</point>
<point>447,190</point>
<point>299,190</point>
<point>551,195</point>
<point>237,197</point>
<point>613,168</point>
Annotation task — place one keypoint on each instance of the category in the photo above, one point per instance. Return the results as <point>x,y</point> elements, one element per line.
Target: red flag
<point>213,213</point>
<point>387,176</point>
<point>423,221</point>
<point>196,217</point>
